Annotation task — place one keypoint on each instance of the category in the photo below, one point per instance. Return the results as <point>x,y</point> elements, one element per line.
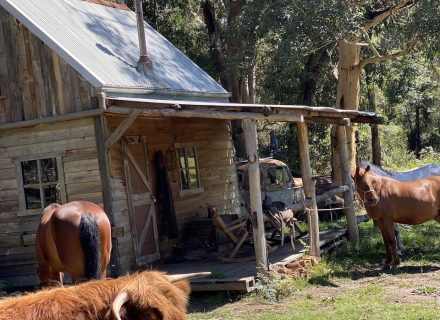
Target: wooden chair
<point>236,231</point>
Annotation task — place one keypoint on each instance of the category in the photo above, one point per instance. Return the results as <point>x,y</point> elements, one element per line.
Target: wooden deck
<point>240,275</point>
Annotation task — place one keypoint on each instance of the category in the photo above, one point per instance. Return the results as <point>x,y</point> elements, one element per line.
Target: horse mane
<point>376,169</point>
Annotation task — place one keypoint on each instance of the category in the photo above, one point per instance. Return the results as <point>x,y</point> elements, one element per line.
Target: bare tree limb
<point>266,125</point>
<point>411,44</point>
<point>371,45</point>
<point>386,13</point>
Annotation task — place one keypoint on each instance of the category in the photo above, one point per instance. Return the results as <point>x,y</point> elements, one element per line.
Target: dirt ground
<point>408,284</point>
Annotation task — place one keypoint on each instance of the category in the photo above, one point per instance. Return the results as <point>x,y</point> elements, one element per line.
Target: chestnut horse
<point>388,201</point>
<point>73,238</point>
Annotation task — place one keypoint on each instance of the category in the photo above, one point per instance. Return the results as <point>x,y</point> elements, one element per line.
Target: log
<point>320,198</point>
<point>350,213</point>
<point>208,114</point>
<point>250,133</point>
<point>309,188</point>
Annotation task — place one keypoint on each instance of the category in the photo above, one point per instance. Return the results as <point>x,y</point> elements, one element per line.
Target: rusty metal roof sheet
<point>101,43</point>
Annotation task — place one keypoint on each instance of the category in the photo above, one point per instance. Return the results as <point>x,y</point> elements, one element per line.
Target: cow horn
<point>178,277</point>
<point>119,301</point>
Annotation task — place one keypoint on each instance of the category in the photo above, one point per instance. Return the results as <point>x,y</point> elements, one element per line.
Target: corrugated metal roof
<point>101,43</point>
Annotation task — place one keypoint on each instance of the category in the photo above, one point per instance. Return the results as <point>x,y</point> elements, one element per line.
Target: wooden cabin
<point>79,121</point>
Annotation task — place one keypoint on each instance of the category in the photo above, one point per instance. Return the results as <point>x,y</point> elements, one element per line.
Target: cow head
<point>153,295</point>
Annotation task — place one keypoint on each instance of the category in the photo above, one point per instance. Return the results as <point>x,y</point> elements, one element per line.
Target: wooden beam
<point>64,117</point>
<point>320,198</point>
<point>250,133</point>
<point>104,170</point>
<point>353,231</point>
<point>306,111</point>
<point>309,188</point>
<point>117,134</point>
<point>209,114</point>
<point>58,82</point>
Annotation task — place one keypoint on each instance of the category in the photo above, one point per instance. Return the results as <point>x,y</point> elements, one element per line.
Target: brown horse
<point>73,238</point>
<point>388,201</point>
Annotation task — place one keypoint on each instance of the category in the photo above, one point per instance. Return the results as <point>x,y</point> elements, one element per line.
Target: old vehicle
<point>276,181</point>
<point>278,185</point>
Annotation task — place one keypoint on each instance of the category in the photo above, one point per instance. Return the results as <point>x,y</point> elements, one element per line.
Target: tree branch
<point>411,44</point>
<point>380,16</point>
<point>370,44</point>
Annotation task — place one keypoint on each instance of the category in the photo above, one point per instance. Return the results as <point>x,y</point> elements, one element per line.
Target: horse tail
<point>90,243</point>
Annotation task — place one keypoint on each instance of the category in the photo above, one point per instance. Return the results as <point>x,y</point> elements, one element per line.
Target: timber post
<point>309,188</point>
<point>375,144</point>
<point>250,133</point>
<point>350,213</point>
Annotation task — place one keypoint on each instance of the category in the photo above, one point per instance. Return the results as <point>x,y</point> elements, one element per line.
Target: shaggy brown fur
<point>152,296</point>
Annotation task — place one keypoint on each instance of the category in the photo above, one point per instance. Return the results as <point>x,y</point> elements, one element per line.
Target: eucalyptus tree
<point>388,30</point>
<point>358,33</point>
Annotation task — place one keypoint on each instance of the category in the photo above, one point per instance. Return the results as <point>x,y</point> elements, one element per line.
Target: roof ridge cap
<point>109,4</point>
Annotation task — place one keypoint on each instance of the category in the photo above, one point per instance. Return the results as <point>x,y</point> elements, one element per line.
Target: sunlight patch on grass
<point>368,302</point>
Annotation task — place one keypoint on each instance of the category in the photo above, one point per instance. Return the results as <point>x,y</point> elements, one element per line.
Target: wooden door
<point>140,200</point>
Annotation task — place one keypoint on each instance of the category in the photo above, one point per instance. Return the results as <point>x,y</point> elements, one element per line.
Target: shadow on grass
<point>371,273</point>
<point>208,301</point>
<point>422,253</point>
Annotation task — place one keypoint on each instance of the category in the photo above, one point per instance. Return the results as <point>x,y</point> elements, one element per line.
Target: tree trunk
<point>348,96</point>
<point>375,139</point>
<point>215,44</point>
<point>418,139</point>
<point>225,54</point>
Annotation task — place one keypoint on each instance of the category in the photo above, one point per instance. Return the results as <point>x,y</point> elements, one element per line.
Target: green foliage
<point>348,262</point>
<point>292,46</point>
<point>275,287</point>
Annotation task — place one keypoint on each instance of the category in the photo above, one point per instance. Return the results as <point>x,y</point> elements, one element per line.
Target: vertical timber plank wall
<point>75,140</point>
<point>215,154</point>
<point>34,81</point>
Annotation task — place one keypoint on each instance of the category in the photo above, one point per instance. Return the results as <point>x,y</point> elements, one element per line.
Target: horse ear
<point>367,168</point>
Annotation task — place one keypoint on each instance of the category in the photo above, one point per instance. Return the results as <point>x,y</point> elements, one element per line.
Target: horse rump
<point>90,243</point>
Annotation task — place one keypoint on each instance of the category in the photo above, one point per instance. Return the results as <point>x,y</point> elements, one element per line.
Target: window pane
<point>190,152</point>
<point>286,176</point>
<point>49,168</point>
<point>51,195</point>
<point>272,175</point>
<point>32,197</point>
<point>181,152</point>
<point>191,162</point>
<point>184,179</point>
<point>193,181</point>
<point>30,172</point>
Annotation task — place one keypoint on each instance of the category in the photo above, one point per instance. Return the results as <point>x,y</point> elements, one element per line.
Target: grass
<point>321,296</point>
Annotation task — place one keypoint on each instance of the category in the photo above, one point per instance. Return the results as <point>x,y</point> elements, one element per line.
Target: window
<point>41,185</point>
<point>278,175</point>
<point>188,172</point>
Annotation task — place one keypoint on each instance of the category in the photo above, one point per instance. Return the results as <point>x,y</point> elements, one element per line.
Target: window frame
<point>23,211</point>
<point>185,146</point>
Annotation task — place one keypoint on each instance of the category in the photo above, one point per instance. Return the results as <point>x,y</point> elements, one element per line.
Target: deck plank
<point>240,276</point>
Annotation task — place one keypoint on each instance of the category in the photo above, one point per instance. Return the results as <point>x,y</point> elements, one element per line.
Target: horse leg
<point>387,230</point>
<point>400,246</point>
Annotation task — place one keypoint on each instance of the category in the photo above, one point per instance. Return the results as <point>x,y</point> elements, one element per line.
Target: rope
<point>342,208</point>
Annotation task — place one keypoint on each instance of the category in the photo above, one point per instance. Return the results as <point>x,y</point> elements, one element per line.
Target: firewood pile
<point>297,269</point>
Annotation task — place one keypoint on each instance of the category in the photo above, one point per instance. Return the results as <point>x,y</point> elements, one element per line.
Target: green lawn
<point>348,284</point>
